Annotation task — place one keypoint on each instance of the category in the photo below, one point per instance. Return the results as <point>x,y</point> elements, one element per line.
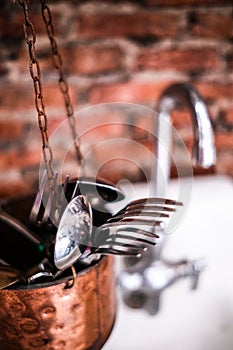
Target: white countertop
<point>190,320</point>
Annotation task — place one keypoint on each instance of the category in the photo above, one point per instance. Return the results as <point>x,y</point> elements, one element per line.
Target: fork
<point>78,240</point>
<point>152,207</point>
<point>49,204</point>
<point>128,232</point>
<point>122,241</point>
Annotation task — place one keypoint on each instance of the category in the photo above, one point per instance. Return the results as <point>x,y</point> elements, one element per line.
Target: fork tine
<point>139,231</point>
<point>155,200</point>
<point>62,200</point>
<point>130,250</point>
<point>38,200</point>
<point>129,222</point>
<point>125,253</point>
<point>75,190</point>
<point>135,239</point>
<point>122,244</point>
<point>130,232</point>
<point>51,202</point>
<point>120,251</point>
<point>137,213</point>
<point>65,185</point>
<point>146,207</point>
<point>63,189</point>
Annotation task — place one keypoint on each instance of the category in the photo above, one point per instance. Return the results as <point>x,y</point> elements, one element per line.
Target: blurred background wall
<point>113,51</point>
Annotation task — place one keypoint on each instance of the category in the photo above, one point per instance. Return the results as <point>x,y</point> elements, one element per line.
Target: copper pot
<point>54,317</point>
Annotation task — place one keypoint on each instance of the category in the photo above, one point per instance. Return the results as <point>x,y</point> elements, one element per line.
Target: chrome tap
<point>143,289</point>
<point>143,279</point>
<point>203,154</point>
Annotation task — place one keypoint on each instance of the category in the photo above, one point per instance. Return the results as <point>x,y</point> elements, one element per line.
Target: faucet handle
<point>142,289</point>
<point>187,268</point>
<point>197,266</point>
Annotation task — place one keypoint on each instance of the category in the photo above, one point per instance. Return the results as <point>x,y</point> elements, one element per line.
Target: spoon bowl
<point>74,232</point>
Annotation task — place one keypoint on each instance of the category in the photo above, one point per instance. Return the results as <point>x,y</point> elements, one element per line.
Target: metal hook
<point>71,282</point>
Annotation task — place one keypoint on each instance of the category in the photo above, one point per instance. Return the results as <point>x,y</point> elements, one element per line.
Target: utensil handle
<point>18,246</point>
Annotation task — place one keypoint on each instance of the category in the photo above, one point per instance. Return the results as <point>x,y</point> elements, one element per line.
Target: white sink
<point>190,320</point>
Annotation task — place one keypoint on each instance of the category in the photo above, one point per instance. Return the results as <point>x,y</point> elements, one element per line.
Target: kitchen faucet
<point>203,153</point>
<point>144,278</point>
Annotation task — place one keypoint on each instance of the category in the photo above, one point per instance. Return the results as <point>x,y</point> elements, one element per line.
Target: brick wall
<point>113,51</point>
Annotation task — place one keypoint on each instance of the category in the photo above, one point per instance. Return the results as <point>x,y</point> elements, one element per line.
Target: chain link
<point>63,85</point>
<point>34,69</point>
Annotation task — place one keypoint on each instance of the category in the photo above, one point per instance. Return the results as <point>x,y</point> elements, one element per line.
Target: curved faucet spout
<point>145,278</point>
<point>203,148</point>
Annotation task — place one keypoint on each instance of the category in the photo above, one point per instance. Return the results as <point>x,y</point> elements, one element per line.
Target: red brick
<point>190,59</point>
<point>44,57</point>
<point>105,130</point>
<point>54,123</point>
<point>53,96</point>
<point>215,90</point>
<point>19,159</point>
<point>10,130</point>
<point>124,156</point>
<point>12,27</point>
<point>225,162</point>
<point>16,96</point>
<point>181,118</point>
<point>25,157</point>
<point>137,24</point>
<point>21,96</point>
<point>127,92</point>
<point>222,116</point>
<point>15,187</point>
<point>122,169</point>
<point>186,2</point>
<point>229,115</point>
<point>212,25</point>
<point>22,62</point>
<point>92,59</point>
<point>78,59</point>
<point>224,141</point>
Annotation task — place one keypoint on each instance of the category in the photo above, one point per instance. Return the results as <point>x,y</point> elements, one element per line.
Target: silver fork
<point>77,239</point>
<point>118,240</point>
<point>48,205</point>
<point>131,230</point>
<point>136,211</point>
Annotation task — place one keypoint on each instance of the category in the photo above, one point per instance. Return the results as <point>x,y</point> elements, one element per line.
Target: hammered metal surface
<point>55,318</point>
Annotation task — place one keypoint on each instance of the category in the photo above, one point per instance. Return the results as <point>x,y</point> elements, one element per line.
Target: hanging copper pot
<point>54,317</point>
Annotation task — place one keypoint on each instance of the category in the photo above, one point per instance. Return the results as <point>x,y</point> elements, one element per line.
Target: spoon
<point>75,235</point>
<point>74,232</point>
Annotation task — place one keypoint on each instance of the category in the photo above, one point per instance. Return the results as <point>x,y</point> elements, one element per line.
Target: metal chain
<point>34,69</point>
<point>64,88</point>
